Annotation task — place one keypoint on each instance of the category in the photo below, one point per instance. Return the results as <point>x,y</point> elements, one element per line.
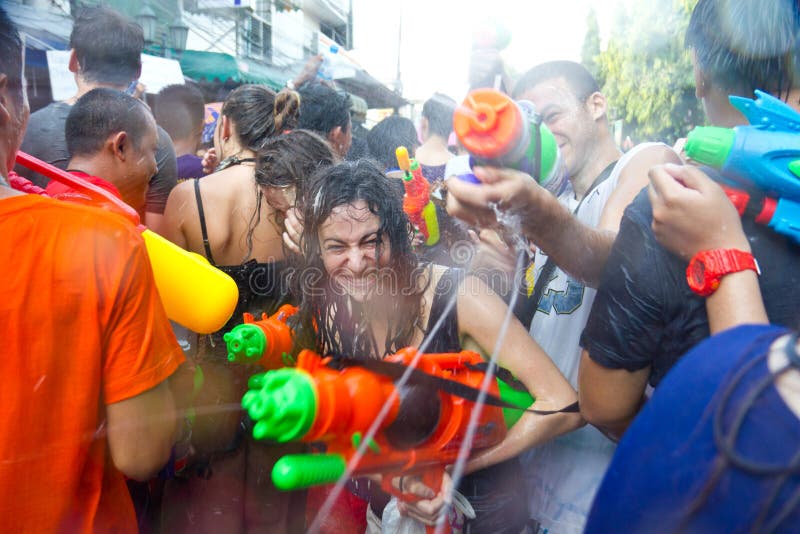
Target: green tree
<point>647,71</point>
<point>591,45</point>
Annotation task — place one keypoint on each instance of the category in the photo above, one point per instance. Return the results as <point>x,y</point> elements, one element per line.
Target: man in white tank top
<point>576,230</point>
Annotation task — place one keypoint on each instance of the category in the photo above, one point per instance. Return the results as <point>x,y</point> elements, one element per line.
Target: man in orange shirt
<point>86,350</point>
<point>112,142</point>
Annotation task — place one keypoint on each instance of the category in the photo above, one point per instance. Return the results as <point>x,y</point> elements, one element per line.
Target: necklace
<point>231,161</point>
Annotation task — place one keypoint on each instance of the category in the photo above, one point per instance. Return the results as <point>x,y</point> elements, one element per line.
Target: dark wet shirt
<point>646,315</point>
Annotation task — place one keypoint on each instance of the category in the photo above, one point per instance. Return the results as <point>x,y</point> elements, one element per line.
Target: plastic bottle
<point>334,66</point>
<point>500,132</point>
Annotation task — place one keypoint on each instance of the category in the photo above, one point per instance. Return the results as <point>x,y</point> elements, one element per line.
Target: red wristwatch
<point>709,266</point>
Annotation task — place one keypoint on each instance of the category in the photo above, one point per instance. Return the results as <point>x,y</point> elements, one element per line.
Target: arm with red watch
<point>693,218</point>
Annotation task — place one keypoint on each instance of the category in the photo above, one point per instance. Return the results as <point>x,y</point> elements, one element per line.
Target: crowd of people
<point>649,319</point>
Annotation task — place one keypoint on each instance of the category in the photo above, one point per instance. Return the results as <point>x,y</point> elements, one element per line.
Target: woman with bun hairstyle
<point>234,217</point>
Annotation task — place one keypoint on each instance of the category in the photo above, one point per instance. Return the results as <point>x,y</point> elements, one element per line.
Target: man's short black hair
<point>439,110</point>
<point>745,45</point>
<point>108,46</point>
<point>576,75</point>
<point>384,138</point>
<point>180,109</point>
<point>11,56</point>
<point>101,113</point>
<point>322,108</point>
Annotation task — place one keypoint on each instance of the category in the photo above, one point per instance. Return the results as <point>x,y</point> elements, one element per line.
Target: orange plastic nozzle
<point>488,123</point>
<point>403,161</point>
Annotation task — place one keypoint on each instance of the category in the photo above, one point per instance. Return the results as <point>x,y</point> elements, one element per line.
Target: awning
<point>374,92</point>
<point>41,29</point>
<point>216,66</point>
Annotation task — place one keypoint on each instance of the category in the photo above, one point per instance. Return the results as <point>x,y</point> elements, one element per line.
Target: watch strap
<point>716,264</point>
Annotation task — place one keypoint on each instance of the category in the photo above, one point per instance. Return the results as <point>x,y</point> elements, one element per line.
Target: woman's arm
<point>480,317</point>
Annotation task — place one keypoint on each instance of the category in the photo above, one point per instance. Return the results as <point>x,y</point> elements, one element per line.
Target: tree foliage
<point>590,52</point>
<point>647,72</point>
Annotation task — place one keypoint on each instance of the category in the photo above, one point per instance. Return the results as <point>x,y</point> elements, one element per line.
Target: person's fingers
<point>426,511</point>
<point>465,192</point>
<point>290,244</point>
<point>662,182</point>
<point>696,179</point>
<point>493,239</point>
<point>415,486</point>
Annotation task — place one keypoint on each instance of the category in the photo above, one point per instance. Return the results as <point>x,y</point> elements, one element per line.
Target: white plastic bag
<point>394,523</point>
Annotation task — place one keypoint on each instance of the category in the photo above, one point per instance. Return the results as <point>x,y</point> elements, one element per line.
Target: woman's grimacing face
<point>350,246</point>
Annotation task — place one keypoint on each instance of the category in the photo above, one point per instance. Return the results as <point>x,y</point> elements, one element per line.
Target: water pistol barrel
<point>266,342</point>
<point>178,273</point>
<point>283,404</point>
<point>416,201</point>
<point>300,471</point>
<point>500,132</point>
<point>764,154</point>
<point>749,156</point>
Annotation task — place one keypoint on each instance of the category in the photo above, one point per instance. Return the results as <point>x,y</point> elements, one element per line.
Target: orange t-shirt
<point>81,327</point>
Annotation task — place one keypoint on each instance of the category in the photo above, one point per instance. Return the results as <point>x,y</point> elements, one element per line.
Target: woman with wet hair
<point>369,297</point>
<point>234,218</point>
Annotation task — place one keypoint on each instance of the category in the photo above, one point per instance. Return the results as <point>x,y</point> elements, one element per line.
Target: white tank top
<point>563,475</point>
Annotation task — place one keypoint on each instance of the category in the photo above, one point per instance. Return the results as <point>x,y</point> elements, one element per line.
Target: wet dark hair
<point>180,109</point>
<point>384,138</point>
<point>292,159</point>
<point>103,112</point>
<point>747,44</point>
<point>439,110</point>
<point>108,46</point>
<point>576,75</point>
<point>322,108</point>
<point>259,113</point>
<point>341,327</point>
<point>11,57</point>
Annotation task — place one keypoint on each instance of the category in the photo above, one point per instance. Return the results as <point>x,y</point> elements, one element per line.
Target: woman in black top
<point>369,297</point>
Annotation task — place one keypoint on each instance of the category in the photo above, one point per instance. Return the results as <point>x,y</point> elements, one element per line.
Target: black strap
<point>396,370</point>
<point>231,161</point>
<point>529,306</point>
<point>203,228</point>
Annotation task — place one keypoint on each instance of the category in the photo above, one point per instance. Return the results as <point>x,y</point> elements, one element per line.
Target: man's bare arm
<point>575,247</point>
<point>610,398</point>
<point>141,431</point>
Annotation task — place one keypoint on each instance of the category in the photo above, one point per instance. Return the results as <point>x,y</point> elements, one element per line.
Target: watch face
<point>699,273</point>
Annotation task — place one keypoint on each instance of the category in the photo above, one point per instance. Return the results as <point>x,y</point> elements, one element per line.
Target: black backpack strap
<point>203,229</point>
<point>527,307</point>
<point>396,370</point>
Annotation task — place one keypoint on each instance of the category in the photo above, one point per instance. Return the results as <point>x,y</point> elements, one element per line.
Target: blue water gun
<point>764,155</point>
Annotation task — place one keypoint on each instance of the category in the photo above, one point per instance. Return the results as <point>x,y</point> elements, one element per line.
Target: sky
<point>436,34</point>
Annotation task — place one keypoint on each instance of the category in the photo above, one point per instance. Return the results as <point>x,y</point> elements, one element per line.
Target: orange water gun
<point>267,342</point>
<point>178,274</point>
<point>417,201</point>
<point>421,434</point>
